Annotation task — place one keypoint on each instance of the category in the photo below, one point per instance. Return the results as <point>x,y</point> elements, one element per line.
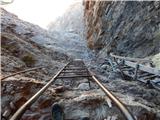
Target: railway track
<point>73,69</point>
<point>136,70</point>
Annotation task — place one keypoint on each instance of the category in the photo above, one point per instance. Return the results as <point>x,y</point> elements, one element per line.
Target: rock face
<point>25,45</point>
<point>126,28</point>
<point>21,47</point>
<point>69,28</point>
<point>67,38</point>
<point>23,90</point>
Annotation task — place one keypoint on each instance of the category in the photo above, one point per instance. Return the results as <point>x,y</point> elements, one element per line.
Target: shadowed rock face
<point>20,49</point>
<point>126,28</point>
<point>16,92</point>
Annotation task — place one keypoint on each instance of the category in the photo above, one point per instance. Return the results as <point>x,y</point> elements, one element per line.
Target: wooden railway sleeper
<point>119,104</point>
<point>136,72</point>
<point>122,74</point>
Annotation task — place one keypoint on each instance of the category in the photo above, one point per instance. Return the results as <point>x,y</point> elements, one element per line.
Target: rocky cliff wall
<point>129,28</point>
<point>71,20</point>
<point>22,47</point>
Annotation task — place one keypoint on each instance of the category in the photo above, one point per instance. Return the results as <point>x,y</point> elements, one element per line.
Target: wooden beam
<point>74,72</point>
<point>75,69</point>
<point>131,59</point>
<point>136,71</point>
<point>74,76</point>
<point>144,68</point>
<point>144,74</point>
<point>127,69</point>
<point>122,74</point>
<point>149,77</point>
<point>127,74</point>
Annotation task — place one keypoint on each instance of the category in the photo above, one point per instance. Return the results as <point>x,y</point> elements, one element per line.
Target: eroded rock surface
<point>127,28</point>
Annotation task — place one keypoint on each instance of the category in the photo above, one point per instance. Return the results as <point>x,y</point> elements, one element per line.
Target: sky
<point>40,12</point>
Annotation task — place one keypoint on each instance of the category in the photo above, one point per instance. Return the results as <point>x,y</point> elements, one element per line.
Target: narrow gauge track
<point>136,70</point>
<point>78,68</point>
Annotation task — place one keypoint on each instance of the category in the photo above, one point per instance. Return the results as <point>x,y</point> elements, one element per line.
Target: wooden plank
<point>155,85</point>
<point>144,74</point>
<point>156,81</point>
<point>149,77</point>
<point>75,76</point>
<point>139,79</point>
<point>143,68</point>
<point>130,59</point>
<point>136,72</point>
<point>74,71</point>
<point>142,80</point>
<point>127,69</point>
<point>112,65</point>
<point>122,74</point>
<point>75,66</point>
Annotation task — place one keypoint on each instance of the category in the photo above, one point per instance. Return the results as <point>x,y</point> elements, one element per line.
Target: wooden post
<point>136,71</point>
<point>119,68</point>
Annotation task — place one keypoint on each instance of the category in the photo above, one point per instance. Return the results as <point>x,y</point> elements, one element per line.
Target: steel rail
<point>35,68</point>
<point>130,59</point>
<point>26,105</point>
<point>120,105</point>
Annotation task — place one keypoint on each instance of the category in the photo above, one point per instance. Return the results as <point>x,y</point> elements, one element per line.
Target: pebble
<point>83,86</point>
<point>12,105</point>
<point>104,66</point>
<point>12,92</point>
<point>7,113</point>
<point>60,89</point>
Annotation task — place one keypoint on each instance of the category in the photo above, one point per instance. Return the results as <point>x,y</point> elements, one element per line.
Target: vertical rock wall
<point>129,28</point>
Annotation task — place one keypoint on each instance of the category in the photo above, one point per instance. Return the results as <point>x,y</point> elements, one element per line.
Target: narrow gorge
<point>90,31</point>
